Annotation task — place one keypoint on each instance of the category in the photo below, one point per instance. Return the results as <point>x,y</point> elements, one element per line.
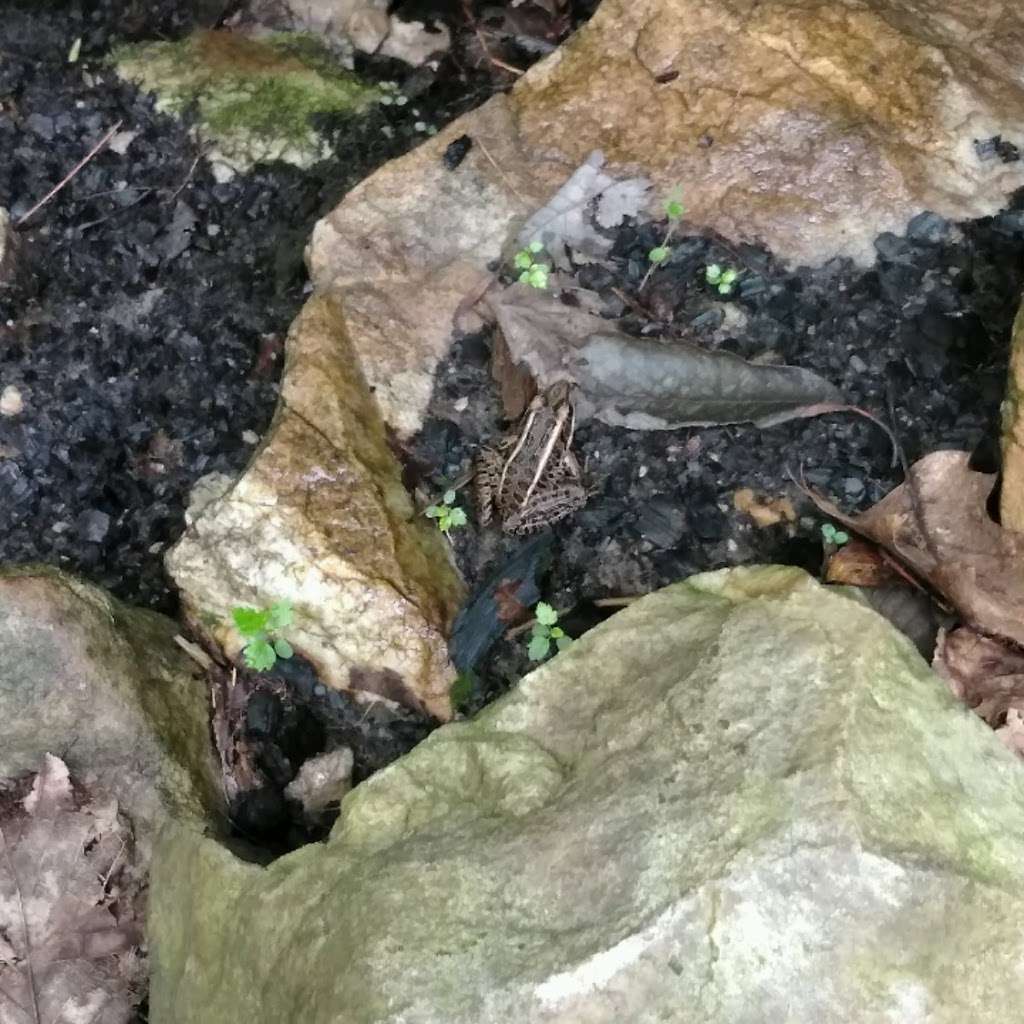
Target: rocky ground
<point>919,340</point>
<point>144,351</point>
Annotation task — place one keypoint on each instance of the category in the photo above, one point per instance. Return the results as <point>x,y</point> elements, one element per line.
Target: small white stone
<point>322,780</point>
<point>250,436</point>
<point>461,404</point>
<point>11,402</point>
<point>642,472</point>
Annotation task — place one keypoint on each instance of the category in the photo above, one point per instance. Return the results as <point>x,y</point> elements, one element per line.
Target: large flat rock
<point>810,127</point>
<point>744,799</point>
<point>105,688</point>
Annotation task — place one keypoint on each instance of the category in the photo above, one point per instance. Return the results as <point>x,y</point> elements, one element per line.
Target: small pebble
<point>461,404</point>
<point>853,486</point>
<point>319,690</point>
<point>92,525</point>
<point>250,436</point>
<point>858,365</point>
<point>11,402</point>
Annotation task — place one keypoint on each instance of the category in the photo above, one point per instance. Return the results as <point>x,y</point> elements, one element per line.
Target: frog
<point>532,479</point>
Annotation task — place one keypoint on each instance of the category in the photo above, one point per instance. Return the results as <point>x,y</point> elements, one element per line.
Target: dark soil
<point>146,341</point>
<point>920,340</point>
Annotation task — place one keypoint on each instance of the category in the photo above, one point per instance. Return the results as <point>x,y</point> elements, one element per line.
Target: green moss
<point>255,99</point>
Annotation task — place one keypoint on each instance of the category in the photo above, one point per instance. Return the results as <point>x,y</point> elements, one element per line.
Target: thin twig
<point>74,170</point>
<point>496,61</point>
<point>195,652</point>
<point>174,195</point>
<point>504,176</point>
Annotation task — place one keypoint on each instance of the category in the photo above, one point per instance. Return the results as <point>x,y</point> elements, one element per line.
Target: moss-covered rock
<point>254,98</point>
<point>745,798</point>
<point>106,688</point>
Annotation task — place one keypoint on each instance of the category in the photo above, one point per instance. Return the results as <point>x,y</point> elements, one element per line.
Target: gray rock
<point>105,688</point>
<point>744,799</point>
<point>929,227</point>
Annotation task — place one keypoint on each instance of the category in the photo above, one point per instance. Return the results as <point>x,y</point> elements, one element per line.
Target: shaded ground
<point>920,340</point>
<point>146,345</point>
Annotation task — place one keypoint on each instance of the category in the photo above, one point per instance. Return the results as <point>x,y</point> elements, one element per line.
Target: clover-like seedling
<point>532,272</point>
<point>449,516</point>
<point>722,279</point>
<point>546,632</point>
<point>261,629</point>
<point>674,210</point>
<point>832,536</point>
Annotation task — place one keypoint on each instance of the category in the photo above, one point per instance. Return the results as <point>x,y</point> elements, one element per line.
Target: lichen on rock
<point>254,97</point>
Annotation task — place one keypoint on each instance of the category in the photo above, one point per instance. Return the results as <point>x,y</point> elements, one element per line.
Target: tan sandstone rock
<point>320,518</point>
<point>813,127</point>
<point>1011,495</point>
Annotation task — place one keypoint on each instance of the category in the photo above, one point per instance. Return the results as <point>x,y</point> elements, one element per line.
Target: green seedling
<point>449,516</point>
<point>546,632</point>
<point>674,210</point>
<point>261,628</point>
<point>462,690</point>
<point>832,536</point>
<point>530,271</point>
<point>722,279</point>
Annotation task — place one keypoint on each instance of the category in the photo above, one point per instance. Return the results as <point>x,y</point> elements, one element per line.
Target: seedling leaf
<point>283,649</point>
<point>539,646</point>
<point>280,616</point>
<point>461,690</point>
<point>545,614</point>
<point>659,254</point>
<point>250,621</point>
<point>457,517</point>
<point>259,655</point>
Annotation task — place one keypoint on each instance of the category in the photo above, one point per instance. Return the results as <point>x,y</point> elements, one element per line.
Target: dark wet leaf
<point>648,384</point>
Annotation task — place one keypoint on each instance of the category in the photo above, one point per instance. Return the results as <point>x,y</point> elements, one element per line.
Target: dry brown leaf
<point>764,511</point>
<point>65,954</point>
<point>859,564</point>
<point>986,674</point>
<point>941,531</point>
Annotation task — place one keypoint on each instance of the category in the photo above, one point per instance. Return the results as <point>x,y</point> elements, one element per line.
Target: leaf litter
<point>70,900</point>
<point>937,524</point>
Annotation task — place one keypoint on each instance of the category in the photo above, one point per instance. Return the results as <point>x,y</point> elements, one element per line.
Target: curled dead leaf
<point>937,524</point>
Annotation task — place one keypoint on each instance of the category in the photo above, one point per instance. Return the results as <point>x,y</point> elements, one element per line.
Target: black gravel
<point>145,344</point>
<point>920,340</point>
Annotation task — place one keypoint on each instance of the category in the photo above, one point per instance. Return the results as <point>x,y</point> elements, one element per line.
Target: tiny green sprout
<point>449,516</point>
<point>546,632</point>
<point>260,627</point>
<point>531,272</point>
<point>723,280</point>
<point>462,690</point>
<point>674,210</point>
<point>834,537</point>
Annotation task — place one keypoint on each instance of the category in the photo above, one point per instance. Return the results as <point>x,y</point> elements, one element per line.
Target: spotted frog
<point>532,479</point>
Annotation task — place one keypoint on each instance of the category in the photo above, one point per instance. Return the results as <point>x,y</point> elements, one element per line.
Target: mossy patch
<point>254,98</point>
